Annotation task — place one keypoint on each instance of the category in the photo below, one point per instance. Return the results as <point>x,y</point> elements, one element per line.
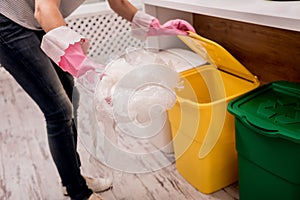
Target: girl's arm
<point>123,8</point>
<point>48,14</point>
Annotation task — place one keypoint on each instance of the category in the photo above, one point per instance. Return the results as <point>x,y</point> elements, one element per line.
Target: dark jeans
<point>52,90</point>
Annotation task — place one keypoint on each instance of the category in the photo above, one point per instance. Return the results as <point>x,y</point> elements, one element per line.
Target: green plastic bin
<point>267,123</point>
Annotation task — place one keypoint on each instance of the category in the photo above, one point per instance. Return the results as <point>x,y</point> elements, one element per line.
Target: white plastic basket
<point>109,34</point>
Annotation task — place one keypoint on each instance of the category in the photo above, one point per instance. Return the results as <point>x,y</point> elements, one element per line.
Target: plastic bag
<point>129,101</point>
<point>136,89</point>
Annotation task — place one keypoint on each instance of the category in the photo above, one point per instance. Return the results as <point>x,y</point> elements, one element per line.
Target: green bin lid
<point>272,109</point>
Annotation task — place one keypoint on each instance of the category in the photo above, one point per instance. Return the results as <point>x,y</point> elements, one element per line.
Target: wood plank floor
<point>28,173</point>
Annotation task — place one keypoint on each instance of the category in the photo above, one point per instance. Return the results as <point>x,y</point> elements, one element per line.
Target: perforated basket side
<point>109,34</point>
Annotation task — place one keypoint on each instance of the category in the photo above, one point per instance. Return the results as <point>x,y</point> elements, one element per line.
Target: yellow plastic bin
<point>203,130</point>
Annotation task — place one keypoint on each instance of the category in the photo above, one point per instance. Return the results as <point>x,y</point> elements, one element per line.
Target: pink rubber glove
<point>144,25</point>
<point>172,27</point>
<point>76,62</point>
<point>80,66</point>
<point>68,50</point>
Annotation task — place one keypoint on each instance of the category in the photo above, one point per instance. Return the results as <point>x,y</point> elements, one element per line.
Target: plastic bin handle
<point>259,127</point>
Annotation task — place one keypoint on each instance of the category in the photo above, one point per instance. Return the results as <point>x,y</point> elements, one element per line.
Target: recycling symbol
<point>281,111</point>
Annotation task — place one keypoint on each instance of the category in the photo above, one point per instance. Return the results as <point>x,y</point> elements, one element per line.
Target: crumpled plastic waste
<point>132,99</point>
<point>136,87</point>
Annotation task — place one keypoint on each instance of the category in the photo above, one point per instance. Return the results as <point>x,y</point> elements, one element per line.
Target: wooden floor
<point>28,173</point>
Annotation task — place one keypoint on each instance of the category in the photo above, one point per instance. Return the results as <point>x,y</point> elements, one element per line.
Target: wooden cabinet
<point>270,53</point>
